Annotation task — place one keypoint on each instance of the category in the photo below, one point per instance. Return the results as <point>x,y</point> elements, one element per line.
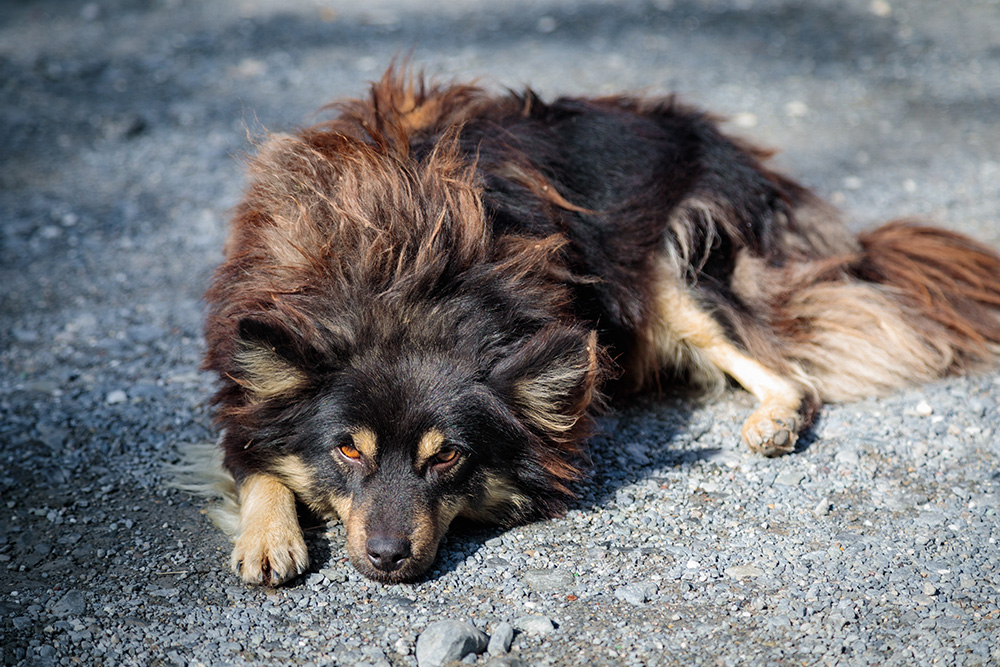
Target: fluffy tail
<point>201,473</point>
<point>915,304</point>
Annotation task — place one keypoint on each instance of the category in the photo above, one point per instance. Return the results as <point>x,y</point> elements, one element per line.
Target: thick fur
<point>424,299</point>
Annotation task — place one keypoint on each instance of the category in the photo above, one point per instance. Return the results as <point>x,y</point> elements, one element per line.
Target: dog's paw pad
<point>270,558</point>
<point>771,432</point>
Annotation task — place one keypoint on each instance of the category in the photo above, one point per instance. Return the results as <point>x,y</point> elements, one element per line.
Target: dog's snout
<point>387,552</point>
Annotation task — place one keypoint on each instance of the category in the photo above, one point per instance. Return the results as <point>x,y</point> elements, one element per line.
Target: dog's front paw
<point>771,431</point>
<point>270,555</point>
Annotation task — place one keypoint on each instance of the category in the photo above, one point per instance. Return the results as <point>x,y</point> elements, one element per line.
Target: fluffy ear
<point>552,379</point>
<point>271,360</point>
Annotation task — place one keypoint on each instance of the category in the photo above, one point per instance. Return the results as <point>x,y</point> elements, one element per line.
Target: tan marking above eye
<point>366,442</point>
<point>430,444</point>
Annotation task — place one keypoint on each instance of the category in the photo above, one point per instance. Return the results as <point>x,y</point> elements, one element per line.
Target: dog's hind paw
<point>771,431</point>
<point>270,558</point>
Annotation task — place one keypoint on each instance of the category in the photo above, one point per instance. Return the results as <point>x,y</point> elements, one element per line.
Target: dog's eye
<point>445,456</point>
<point>350,451</point>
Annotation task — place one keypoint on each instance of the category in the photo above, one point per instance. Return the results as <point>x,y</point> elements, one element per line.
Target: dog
<point>426,298</point>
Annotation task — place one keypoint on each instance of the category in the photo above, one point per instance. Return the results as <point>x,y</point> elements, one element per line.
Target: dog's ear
<point>552,378</point>
<point>274,361</point>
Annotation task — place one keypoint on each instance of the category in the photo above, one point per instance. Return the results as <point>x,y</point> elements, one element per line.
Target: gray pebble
<point>743,571</point>
<point>500,640</point>
<point>506,661</point>
<point>71,604</point>
<point>446,641</point>
<point>115,397</point>
<point>637,593</point>
<point>548,580</point>
<point>823,507</point>
<point>847,457</point>
<point>535,625</point>
<point>790,478</point>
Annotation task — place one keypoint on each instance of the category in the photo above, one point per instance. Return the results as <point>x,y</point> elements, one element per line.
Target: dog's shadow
<point>639,438</point>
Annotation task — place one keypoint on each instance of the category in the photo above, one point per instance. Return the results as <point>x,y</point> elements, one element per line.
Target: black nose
<point>387,552</point>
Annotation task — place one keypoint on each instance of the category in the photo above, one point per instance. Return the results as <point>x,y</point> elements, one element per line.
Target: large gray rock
<point>445,641</point>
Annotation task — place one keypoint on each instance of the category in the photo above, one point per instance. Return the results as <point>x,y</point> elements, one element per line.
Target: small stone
<point>930,589</point>
<point>637,593</point>
<point>847,457</point>
<point>548,580</point>
<point>546,25</point>
<point>71,604</point>
<point>501,639</point>
<point>507,661</point>
<point>447,641</point>
<point>743,571</point>
<point>333,575</point>
<point>638,452</point>
<point>401,646</point>
<point>115,397</point>
<point>796,109</point>
<point>880,8</point>
<point>822,507</point>
<point>923,409</point>
<point>535,625</point>
<point>790,478</point>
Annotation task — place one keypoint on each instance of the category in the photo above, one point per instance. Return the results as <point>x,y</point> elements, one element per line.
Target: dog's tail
<point>201,473</point>
<point>915,303</point>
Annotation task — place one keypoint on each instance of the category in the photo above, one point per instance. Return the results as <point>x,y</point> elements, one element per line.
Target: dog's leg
<point>269,548</point>
<point>684,335</point>
<point>773,427</point>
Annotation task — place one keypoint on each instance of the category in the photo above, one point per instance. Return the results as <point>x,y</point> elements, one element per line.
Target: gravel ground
<point>120,125</point>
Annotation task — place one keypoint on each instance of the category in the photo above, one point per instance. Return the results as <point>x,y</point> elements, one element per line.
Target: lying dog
<point>424,299</point>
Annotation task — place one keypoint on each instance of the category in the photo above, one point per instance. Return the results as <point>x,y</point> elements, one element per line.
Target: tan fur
<point>269,547</point>
<point>861,341</point>
<point>675,335</point>
<point>695,213</point>
<point>357,536</point>
<point>685,336</point>
<point>428,447</point>
<point>366,442</point>
<point>542,397</point>
<point>267,375</point>
<point>502,498</point>
<point>341,505</point>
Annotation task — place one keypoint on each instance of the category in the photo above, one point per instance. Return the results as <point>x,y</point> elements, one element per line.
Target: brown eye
<point>447,455</point>
<point>350,452</point>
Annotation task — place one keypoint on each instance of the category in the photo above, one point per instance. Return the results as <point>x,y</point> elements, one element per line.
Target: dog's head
<point>399,434</point>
